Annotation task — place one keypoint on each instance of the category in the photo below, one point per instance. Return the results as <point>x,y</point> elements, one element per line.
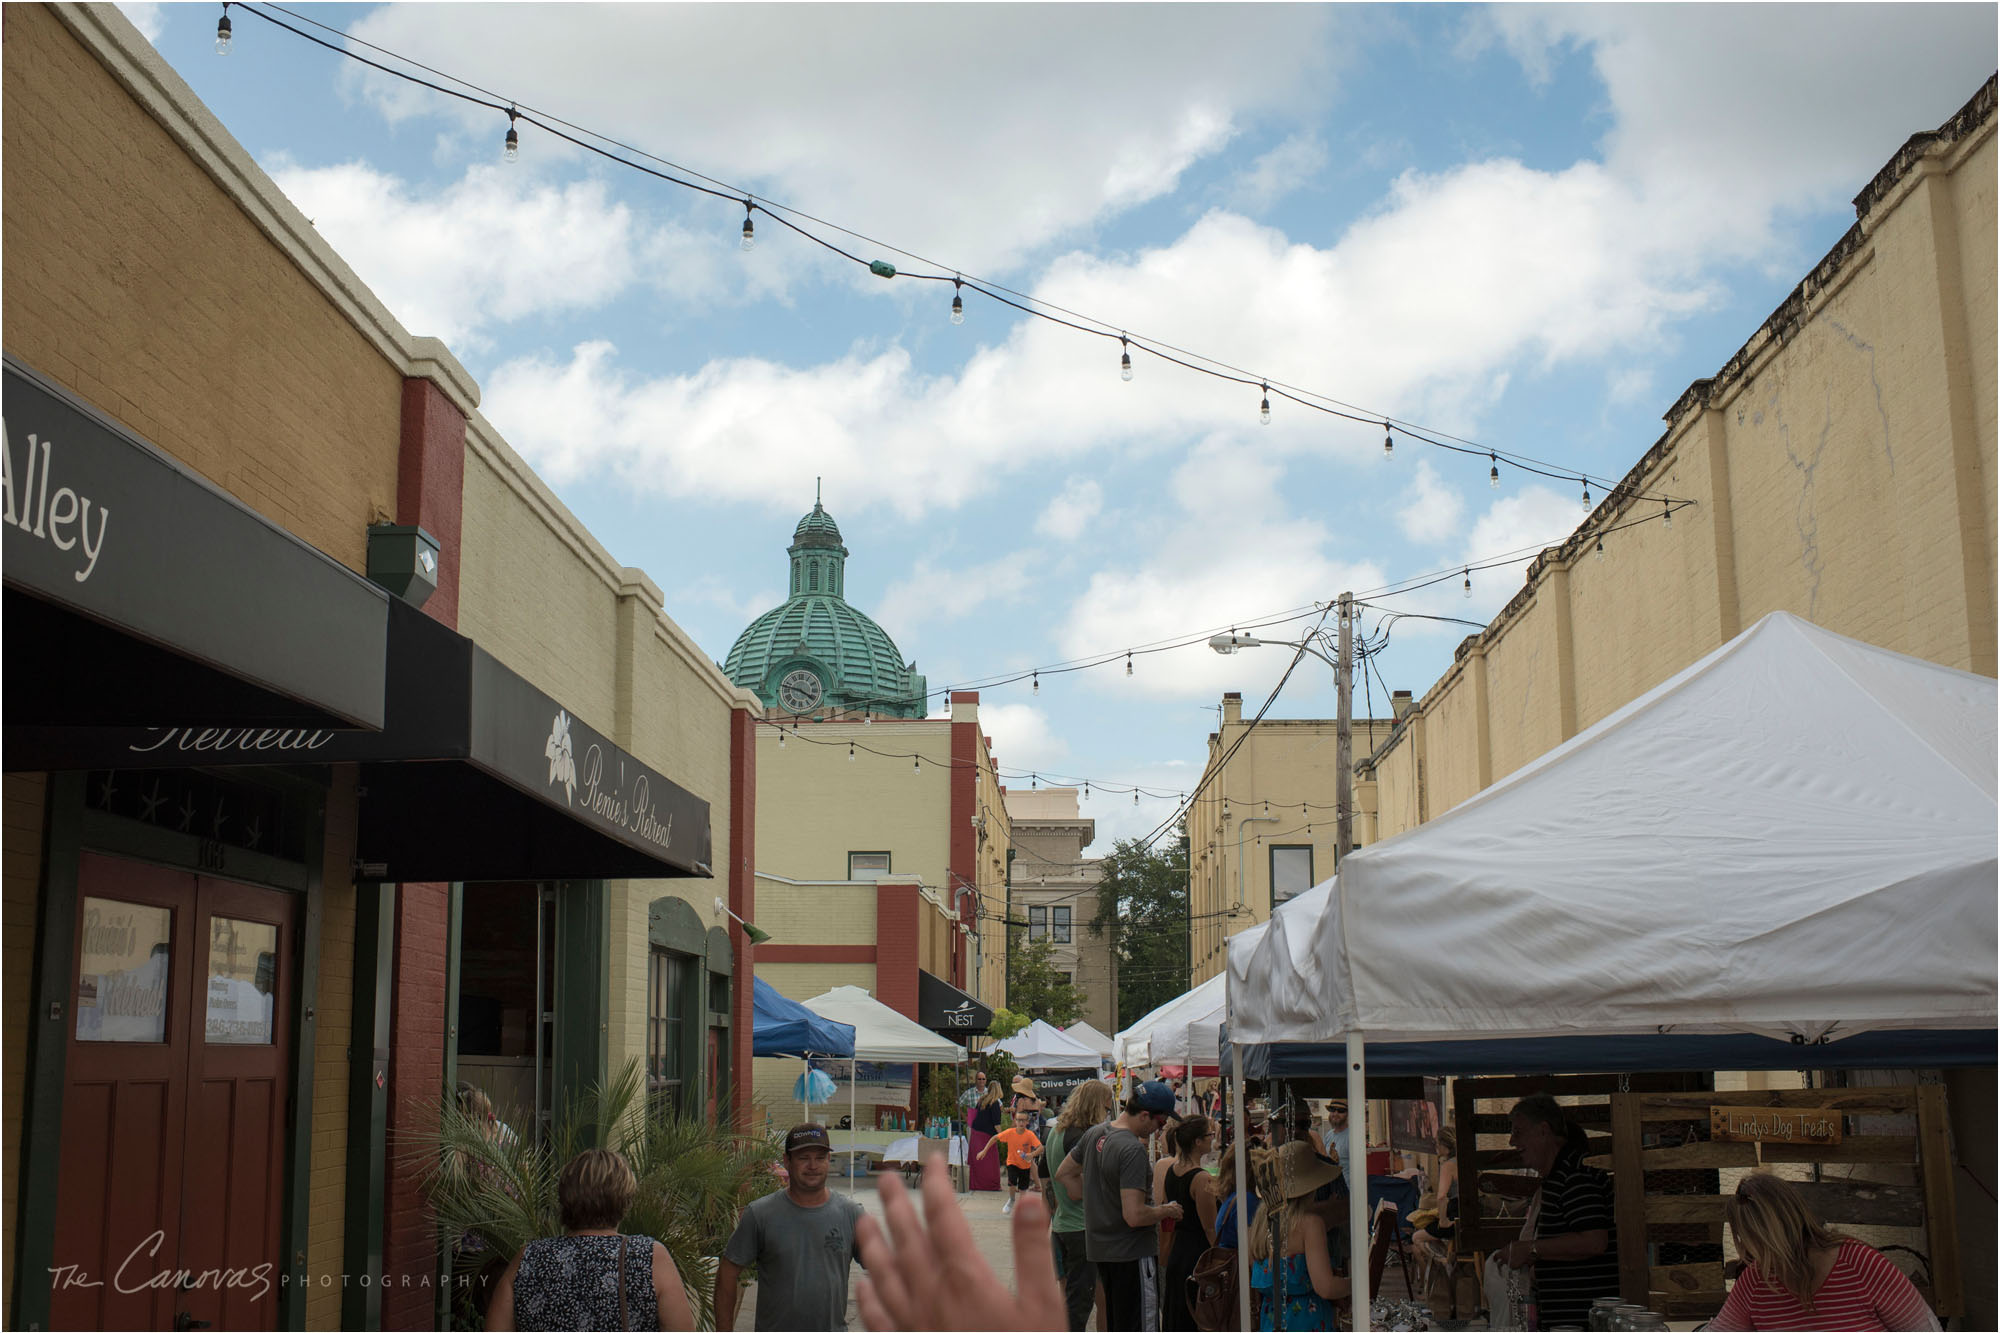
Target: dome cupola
<point>817,654</point>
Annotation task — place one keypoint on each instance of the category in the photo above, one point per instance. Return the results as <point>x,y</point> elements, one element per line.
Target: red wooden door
<point>170,1182</point>
<point>233,1190</point>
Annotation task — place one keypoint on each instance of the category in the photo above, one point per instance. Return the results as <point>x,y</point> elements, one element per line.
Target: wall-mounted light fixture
<point>755,935</point>
<point>403,559</point>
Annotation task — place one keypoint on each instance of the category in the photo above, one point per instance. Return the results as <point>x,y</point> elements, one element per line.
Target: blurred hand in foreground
<point>933,1276</point>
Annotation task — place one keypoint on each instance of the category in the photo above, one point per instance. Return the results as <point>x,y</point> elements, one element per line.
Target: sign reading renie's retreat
<point>1766,1124</point>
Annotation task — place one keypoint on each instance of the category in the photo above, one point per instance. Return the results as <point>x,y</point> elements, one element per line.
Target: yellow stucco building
<point>1263,824</point>
<point>1054,892</point>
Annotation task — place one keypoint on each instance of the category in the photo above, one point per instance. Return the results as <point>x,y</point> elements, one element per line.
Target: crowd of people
<point>1114,1208</point>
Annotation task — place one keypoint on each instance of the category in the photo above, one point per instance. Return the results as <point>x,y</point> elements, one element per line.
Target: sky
<point>1522,226</point>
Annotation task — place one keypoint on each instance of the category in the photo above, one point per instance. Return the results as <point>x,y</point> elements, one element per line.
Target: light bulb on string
<point>916,763</point>
<point>1034,781</point>
<point>781,738</point>
<point>1086,791</point>
<point>867,719</point>
<point>1135,796</point>
<point>1264,408</point>
<point>1035,682</point>
<point>1586,495</point>
<point>850,752</point>
<point>1388,442</point>
<point>1128,664</point>
<point>1667,510</point>
<point>957,301</point>
<point>512,149</point>
<point>222,32</point>
<point>1468,583</point>
<point>1493,477</point>
<point>749,226</point>
<point>1125,358</point>
<point>1600,548</point>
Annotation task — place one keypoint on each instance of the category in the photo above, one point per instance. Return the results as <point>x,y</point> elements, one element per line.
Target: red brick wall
<point>430,493</point>
<point>742,897</point>
<point>896,947</point>
<point>964,837</point>
<point>416,1077</point>
<point>430,484</point>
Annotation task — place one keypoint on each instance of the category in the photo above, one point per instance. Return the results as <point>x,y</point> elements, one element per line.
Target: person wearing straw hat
<point>1026,1099</point>
<point>1286,1180</point>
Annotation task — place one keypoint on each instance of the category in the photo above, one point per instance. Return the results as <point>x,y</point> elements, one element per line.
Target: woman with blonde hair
<point>1089,1105</point>
<point>1286,1179</point>
<point>1802,1276</point>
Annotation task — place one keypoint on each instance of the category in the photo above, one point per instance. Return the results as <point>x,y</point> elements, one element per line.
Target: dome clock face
<point>799,692</point>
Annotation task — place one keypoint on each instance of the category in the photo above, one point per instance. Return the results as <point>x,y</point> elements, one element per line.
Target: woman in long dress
<point>985,1170</point>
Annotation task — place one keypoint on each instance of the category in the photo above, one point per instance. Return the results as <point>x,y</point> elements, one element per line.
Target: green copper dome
<point>818,654</point>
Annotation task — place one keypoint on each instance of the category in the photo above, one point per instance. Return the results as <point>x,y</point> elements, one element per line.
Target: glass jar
<point>1600,1312</point>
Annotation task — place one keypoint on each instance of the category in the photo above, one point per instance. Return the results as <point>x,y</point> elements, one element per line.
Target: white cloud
<point>896,120</point>
<point>930,594</point>
<point>1022,738</point>
<point>1277,173</point>
<point>147,18</point>
<point>1071,512</point>
<point>1724,115</point>
<point>1433,510</point>
<point>494,247</point>
<point>1231,554</point>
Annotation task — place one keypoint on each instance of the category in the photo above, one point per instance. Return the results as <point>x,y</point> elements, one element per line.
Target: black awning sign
<point>943,1007</point>
<point>623,797</point>
<point>50,517</point>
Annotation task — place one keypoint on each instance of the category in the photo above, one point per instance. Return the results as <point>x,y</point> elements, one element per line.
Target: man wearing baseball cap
<point>1108,1167</point>
<point>802,1242</point>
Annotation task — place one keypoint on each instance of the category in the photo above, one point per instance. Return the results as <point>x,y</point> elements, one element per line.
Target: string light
<point>222,32</point>
<point>916,764</point>
<point>1086,791</point>
<point>1264,408</point>
<point>1600,548</point>
<point>1034,781</point>
<point>1128,664</point>
<point>1667,513</point>
<point>1468,581</point>
<point>850,752</point>
<point>1587,506</point>
<point>1027,304</point>
<point>512,150</point>
<point>1035,682</point>
<point>1388,442</point>
<point>1125,358</point>
<point>1135,796</point>
<point>749,226</point>
<point>957,301</point>
<point>781,738</point>
<point>1493,477</point>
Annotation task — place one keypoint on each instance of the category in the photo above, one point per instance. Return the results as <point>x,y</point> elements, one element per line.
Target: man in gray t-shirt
<point>802,1242</point>
<point>1108,1168</point>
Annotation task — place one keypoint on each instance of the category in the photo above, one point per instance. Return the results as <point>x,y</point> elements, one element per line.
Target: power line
<point>1026,303</point>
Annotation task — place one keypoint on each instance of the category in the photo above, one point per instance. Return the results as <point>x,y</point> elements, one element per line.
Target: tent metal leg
<point>1244,1188</point>
<point>1357,1191</point>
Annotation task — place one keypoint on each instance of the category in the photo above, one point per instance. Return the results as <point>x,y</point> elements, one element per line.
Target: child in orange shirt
<point>1023,1147</point>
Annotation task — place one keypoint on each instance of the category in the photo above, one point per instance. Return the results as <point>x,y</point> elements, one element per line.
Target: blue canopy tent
<point>779,1026</point>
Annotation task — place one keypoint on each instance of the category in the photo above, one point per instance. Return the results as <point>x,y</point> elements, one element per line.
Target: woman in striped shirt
<point>1802,1276</point>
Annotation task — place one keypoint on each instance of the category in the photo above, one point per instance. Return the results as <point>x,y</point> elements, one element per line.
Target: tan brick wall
<point>1842,468</point>
<point>543,596</point>
<point>1288,763</point>
<point>815,807</point>
<point>23,801</point>
<point>179,318</point>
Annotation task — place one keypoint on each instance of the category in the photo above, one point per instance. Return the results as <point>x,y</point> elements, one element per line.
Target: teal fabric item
<point>1304,1308</point>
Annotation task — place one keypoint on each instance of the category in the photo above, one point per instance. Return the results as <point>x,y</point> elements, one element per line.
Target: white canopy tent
<point>1091,1037</point>
<point>1793,838</point>
<point>880,1033</point>
<point>1183,1031</point>
<point>1042,1046</point>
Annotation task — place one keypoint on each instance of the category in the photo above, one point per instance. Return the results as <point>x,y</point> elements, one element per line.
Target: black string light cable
<point>1026,303</point>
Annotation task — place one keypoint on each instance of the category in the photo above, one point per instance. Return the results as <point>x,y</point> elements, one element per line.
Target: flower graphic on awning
<point>562,764</point>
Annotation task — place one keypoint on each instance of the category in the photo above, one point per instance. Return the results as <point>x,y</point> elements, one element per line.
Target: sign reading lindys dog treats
<point>1766,1124</point>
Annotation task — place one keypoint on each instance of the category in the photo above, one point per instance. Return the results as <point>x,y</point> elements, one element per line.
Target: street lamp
<point>1343,678</point>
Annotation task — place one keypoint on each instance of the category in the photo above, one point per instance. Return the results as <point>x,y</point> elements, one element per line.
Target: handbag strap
<point>623,1322</point>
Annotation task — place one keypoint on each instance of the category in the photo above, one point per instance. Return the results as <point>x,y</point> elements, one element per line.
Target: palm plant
<point>491,1197</point>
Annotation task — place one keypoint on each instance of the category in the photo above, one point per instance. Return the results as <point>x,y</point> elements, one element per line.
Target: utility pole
<point>1343,786</point>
